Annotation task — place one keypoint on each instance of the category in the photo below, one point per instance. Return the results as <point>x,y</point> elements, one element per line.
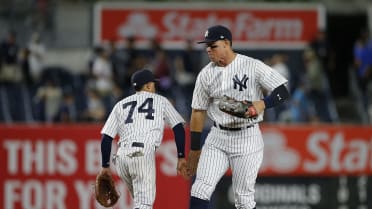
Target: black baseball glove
<point>241,109</point>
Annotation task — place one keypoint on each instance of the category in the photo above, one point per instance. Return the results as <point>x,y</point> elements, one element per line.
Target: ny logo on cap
<point>206,33</point>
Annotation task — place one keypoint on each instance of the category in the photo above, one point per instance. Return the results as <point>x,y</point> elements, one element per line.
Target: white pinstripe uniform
<point>242,150</point>
<point>140,120</point>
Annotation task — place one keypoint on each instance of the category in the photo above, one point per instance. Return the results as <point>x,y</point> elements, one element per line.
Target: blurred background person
<point>133,60</point>
<point>67,112</point>
<point>278,62</point>
<point>161,66</point>
<point>9,50</point>
<point>24,64</point>
<point>95,109</point>
<point>300,109</point>
<point>102,79</point>
<point>316,81</point>
<point>36,56</point>
<point>321,47</point>
<point>186,66</point>
<point>48,99</point>
<point>362,53</point>
<point>102,73</point>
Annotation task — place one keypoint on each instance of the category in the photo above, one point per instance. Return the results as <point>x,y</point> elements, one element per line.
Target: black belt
<point>134,144</point>
<point>230,129</point>
<point>138,144</point>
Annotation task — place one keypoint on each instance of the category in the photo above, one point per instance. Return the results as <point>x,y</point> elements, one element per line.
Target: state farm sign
<point>251,26</point>
<point>323,150</point>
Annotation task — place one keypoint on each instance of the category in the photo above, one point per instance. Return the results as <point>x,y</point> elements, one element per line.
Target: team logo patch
<point>241,82</point>
<point>206,33</point>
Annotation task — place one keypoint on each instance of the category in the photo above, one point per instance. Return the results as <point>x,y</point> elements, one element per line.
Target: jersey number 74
<point>146,107</point>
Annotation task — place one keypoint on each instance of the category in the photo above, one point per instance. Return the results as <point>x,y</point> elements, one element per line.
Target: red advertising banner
<point>317,150</point>
<point>258,26</point>
<point>55,166</point>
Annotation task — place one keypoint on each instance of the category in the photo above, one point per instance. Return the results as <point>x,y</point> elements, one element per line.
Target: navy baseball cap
<point>215,33</point>
<point>141,77</point>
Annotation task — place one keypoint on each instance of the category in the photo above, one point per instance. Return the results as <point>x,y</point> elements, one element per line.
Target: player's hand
<point>181,168</point>
<point>105,171</point>
<point>259,106</point>
<point>192,162</point>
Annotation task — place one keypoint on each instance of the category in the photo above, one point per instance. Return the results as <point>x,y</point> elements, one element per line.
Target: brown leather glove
<point>105,190</point>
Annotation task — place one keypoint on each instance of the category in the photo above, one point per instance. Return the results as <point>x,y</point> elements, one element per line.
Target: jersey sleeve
<point>111,125</point>
<point>172,117</point>
<point>269,78</point>
<point>200,98</point>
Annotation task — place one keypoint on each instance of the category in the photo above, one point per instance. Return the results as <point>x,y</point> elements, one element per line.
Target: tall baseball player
<point>139,120</point>
<point>222,91</point>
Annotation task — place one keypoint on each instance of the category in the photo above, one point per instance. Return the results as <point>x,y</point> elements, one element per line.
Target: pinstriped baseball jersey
<point>139,120</point>
<point>243,79</point>
<point>141,117</point>
<point>240,149</point>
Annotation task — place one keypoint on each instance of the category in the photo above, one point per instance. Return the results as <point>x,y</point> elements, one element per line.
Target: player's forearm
<point>197,120</point>
<point>196,128</point>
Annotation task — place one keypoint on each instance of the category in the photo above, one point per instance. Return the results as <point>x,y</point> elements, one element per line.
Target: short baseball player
<point>235,140</point>
<point>139,120</point>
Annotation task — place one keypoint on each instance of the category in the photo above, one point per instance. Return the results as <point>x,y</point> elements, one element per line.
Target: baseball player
<point>233,141</point>
<point>139,120</point>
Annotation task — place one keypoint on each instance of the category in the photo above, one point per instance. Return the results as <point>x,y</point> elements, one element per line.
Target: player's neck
<point>145,91</point>
<point>229,59</point>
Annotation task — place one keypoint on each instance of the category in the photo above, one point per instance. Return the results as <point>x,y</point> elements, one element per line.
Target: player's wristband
<point>195,140</point>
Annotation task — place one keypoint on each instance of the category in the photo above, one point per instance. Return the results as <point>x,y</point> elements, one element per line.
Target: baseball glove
<point>105,190</point>
<point>241,109</point>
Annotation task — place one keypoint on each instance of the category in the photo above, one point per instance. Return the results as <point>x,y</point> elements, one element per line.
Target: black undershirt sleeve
<point>179,136</point>
<point>277,96</point>
<point>106,150</point>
